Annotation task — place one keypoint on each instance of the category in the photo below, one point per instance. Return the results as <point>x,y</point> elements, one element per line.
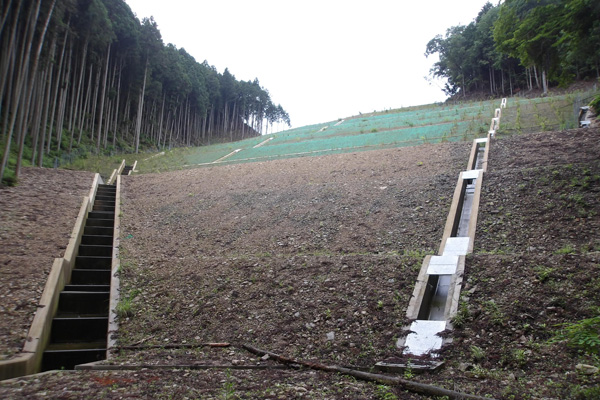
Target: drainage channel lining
<point>437,291</point>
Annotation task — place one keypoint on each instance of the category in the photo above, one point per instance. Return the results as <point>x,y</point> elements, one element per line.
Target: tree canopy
<point>89,71</point>
<point>519,44</point>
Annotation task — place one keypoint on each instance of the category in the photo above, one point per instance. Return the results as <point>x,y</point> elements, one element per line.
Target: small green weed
<point>383,393</point>
<point>493,310</point>
<point>228,388</point>
<point>543,273</point>
<point>520,357</point>
<point>585,393</point>
<point>477,353</point>
<point>462,315</point>
<point>408,372</point>
<point>567,249</point>
<point>125,307</point>
<point>583,334</point>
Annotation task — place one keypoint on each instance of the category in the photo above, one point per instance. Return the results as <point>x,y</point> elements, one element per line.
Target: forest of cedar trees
<point>81,76</point>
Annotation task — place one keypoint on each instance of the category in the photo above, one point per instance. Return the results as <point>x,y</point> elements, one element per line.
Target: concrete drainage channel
<point>80,326</point>
<point>437,291</point>
<point>76,310</point>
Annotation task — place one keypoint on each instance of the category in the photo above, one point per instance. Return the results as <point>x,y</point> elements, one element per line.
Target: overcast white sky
<point>321,60</point>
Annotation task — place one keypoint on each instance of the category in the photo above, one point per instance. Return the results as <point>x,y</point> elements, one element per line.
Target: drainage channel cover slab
<point>456,246</point>
<point>471,174</point>
<point>424,337</point>
<point>442,265</point>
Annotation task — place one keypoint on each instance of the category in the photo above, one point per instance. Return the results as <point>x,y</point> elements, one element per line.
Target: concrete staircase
<point>127,170</point>
<point>79,329</point>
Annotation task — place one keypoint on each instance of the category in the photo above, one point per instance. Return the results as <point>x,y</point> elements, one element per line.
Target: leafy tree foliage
<point>518,44</point>
<point>88,71</point>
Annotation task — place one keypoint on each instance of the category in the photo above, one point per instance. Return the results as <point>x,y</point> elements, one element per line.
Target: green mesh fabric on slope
<point>408,127</point>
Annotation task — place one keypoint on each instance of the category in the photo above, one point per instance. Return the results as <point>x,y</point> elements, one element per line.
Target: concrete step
<point>106,189</point>
<point>87,262</point>
<point>98,240</point>
<point>69,356</point>
<point>104,197</point>
<point>109,223</point>
<point>83,303</point>
<point>95,250</point>
<point>73,330</point>
<point>92,287</point>
<point>90,277</point>
<point>98,231</point>
<point>102,215</point>
<point>110,203</point>
<point>104,208</point>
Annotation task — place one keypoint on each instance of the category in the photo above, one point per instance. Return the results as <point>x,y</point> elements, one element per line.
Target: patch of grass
<point>543,273</point>
<point>567,249</point>
<point>125,307</point>
<point>383,393</point>
<point>583,334</point>
<point>579,392</point>
<point>495,313</point>
<point>462,315</point>
<point>477,353</point>
<point>228,388</point>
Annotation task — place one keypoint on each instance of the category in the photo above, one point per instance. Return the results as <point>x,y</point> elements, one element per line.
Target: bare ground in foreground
<point>316,259</point>
<point>36,221</point>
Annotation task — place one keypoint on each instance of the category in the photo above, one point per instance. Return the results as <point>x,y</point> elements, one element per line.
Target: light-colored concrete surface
<point>456,246</point>
<point>442,265</point>
<point>472,174</point>
<point>113,324</point>
<point>424,337</point>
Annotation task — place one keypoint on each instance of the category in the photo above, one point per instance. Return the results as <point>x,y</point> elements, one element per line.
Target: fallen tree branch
<point>138,367</point>
<point>169,346</point>
<point>414,387</point>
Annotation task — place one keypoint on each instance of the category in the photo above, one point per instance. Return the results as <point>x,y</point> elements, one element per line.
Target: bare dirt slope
<point>313,256</point>
<point>536,266</point>
<point>36,220</point>
<point>316,259</point>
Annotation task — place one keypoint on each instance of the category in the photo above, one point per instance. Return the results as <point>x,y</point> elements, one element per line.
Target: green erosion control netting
<point>364,132</point>
<point>345,143</point>
<point>398,128</point>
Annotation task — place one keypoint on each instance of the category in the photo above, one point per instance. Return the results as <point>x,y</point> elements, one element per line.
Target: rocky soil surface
<point>313,257</point>
<point>536,267</point>
<point>36,221</point>
<point>316,259</point>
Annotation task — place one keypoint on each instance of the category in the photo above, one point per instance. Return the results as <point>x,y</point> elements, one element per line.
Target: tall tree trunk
<point>37,119</point>
<point>21,78</point>
<point>138,126</point>
<point>116,122</point>
<point>7,65</point>
<point>92,120</point>
<point>56,90</point>
<point>46,104</point>
<point>102,100</point>
<point>544,81</point>
<point>63,101</point>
